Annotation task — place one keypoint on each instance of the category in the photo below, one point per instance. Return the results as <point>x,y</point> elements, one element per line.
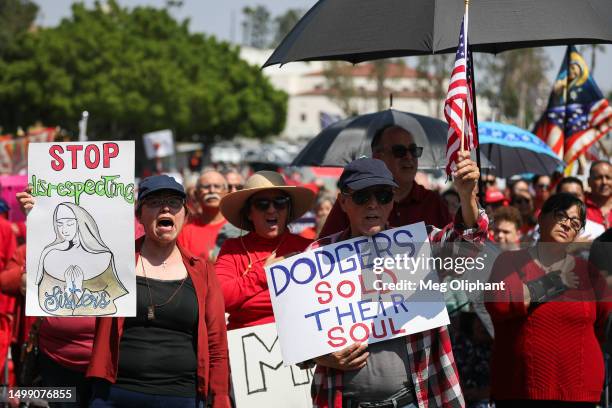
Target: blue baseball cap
<point>155,184</point>
<point>363,173</point>
<point>4,207</point>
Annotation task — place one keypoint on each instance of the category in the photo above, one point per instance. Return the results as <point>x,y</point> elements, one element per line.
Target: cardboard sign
<point>328,298</point>
<point>158,144</point>
<point>80,240</point>
<point>259,378</point>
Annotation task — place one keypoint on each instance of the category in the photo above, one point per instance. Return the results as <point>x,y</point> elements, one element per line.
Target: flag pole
<point>481,192</point>
<point>568,56</point>
<point>465,52</point>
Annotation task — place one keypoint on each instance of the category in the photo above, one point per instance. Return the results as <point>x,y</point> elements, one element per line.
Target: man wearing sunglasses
<point>412,202</point>
<point>402,372</point>
<point>200,233</point>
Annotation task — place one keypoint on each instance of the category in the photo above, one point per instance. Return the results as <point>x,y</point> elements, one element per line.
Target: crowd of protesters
<point>201,250</point>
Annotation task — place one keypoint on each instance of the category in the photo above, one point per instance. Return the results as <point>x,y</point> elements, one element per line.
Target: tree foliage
<point>256,26</point>
<point>341,86</point>
<point>16,17</point>
<point>285,23</point>
<point>515,83</point>
<point>135,71</point>
<point>262,30</point>
<point>434,73</point>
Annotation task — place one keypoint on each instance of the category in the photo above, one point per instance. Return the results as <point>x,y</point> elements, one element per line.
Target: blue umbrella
<point>513,150</point>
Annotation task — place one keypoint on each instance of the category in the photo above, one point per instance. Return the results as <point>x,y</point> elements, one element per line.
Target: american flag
<point>458,105</point>
<point>577,117</point>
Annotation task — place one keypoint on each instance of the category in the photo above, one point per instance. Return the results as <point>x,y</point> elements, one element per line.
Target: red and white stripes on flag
<point>458,107</point>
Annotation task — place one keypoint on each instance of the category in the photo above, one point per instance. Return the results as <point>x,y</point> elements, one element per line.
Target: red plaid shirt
<point>430,354</point>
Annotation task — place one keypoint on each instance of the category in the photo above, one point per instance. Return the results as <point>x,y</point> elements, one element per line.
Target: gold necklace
<point>152,306</point>
<point>251,263</point>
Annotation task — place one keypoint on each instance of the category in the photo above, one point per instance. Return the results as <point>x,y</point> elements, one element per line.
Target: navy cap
<point>154,184</point>
<point>4,207</point>
<point>363,173</point>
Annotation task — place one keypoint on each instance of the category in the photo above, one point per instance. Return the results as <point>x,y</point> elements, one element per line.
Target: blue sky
<point>216,17</point>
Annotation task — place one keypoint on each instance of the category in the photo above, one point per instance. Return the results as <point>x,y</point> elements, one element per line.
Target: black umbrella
<point>362,30</point>
<point>348,139</point>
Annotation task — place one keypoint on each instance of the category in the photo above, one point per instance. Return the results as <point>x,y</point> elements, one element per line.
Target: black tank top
<point>159,356</point>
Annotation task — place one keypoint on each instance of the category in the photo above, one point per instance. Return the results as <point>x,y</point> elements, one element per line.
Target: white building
<point>310,95</point>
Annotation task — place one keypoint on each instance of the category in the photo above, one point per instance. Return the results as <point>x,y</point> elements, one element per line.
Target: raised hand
<point>466,175</point>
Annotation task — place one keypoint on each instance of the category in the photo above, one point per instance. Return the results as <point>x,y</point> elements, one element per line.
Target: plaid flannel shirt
<point>430,354</point>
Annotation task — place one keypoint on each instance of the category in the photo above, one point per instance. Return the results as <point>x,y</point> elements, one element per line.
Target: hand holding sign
<point>353,357</point>
<point>26,201</point>
<point>273,258</point>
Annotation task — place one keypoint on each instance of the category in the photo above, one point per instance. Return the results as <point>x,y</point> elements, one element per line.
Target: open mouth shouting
<point>272,221</point>
<point>165,224</point>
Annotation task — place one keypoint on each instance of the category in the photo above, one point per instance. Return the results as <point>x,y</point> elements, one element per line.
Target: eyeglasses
<point>211,187</point>
<point>542,186</point>
<point>490,182</point>
<point>562,217</point>
<point>400,151</point>
<point>174,203</point>
<point>383,196</point>
<point>235,187</point>
<point>279,203</point>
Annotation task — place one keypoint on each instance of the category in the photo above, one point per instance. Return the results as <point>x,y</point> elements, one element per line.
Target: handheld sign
<point>158,144</point>
<point>259,378</point>
<point>330,297</point>
<point>80,239</point>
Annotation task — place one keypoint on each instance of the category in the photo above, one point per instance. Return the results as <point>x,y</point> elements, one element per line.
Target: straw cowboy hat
<point>232,204</point>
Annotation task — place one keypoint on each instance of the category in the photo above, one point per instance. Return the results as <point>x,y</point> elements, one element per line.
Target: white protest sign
<point>259,378</point>
<point>329,298</point>
<point>158,144</point>
<point>80,240</point>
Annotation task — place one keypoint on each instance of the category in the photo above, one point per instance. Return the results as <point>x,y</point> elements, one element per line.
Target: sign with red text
<point>80,238</point>
<point>259,378</point>
<point>366,289</point>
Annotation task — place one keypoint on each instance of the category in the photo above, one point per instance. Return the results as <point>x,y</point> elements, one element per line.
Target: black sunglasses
<point>174,203</point>
<point>400,151</point>
<point>279,203</point>
<point>383,196</point>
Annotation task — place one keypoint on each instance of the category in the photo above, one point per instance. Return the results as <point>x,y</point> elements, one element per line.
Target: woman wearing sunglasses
<point>548,318</point>
<point>264,207</point>
<point>173,353</point>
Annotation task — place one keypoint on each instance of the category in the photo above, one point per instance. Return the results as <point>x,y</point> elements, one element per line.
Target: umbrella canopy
<point>363,30</point>
<point>349,139</point>
<point>513,150</point>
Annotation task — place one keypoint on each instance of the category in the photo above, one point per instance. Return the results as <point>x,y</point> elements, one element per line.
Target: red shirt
<point>212,351</point>
<point>68,341</point>
<point>8,242</point>
<point>247,299</point>
<point>549,351</point>
<point>199,238</point>
<point>419,205</point>
<point>594,213</point>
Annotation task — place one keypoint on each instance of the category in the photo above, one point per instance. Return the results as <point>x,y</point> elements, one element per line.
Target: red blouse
<point>247,299</point>
<point>549,351</point>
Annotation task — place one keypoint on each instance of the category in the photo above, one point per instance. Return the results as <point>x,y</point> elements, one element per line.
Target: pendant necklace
<point>152,306</point>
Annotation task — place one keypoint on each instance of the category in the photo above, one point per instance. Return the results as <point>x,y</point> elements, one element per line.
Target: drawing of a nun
<point>76,272</point>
